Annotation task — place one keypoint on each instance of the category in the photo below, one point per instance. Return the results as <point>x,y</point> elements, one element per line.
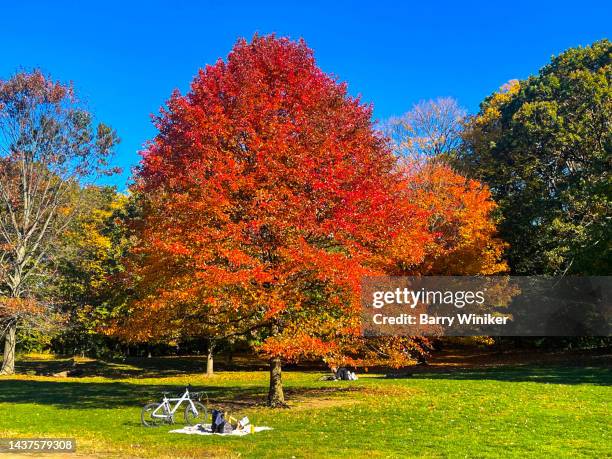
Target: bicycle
<point>155,414</point>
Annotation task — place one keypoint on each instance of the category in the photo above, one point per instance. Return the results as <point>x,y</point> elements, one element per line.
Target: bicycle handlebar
<point>192,395</point>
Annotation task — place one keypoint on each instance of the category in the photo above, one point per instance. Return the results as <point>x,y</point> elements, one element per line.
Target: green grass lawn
<point>539,410</point>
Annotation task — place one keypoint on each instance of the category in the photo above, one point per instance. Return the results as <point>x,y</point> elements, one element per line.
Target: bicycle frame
<point>169,410</point>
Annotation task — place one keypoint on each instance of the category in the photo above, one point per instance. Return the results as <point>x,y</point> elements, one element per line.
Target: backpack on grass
<point>219,424</point>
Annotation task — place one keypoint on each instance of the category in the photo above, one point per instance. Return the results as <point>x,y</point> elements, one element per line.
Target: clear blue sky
<point>126,57</point>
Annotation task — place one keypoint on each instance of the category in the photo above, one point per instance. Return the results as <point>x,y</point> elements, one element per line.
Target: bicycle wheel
<point>146,416</point>
<point>191,418</point>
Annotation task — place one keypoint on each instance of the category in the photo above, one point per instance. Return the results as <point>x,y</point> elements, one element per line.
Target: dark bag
<point>217,419</point>
<point>219,424</point>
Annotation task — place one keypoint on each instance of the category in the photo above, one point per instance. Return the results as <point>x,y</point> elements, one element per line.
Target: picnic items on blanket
<point>223,422</point>
<point>205,429</point>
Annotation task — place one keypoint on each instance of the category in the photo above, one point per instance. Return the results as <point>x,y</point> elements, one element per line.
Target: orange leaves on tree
<point>16,307</point>
<point>459,223</point>
<point>267,196</point>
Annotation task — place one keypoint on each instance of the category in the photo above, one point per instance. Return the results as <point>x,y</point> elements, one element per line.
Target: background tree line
<point>268,192</point>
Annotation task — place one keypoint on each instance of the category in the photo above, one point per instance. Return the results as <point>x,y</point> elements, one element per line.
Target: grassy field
<point>453,408</point>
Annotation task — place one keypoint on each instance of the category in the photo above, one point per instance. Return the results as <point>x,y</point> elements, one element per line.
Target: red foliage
<point>267,196</point>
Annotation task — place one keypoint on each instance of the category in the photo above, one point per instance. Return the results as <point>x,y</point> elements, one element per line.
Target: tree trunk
<point>276,396</point>
<point>8,364</point>
<point>229,356</point>
<point>209,360</point>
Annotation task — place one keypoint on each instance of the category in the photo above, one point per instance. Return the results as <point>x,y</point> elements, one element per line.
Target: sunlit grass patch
<point>514,411</point>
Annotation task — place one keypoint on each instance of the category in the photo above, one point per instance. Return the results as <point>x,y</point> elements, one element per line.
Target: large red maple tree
<point>266,196</point>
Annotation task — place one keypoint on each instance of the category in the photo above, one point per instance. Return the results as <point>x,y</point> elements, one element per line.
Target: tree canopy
<point>544,147</point>
<point>268,194</point>
<point>49,147</point>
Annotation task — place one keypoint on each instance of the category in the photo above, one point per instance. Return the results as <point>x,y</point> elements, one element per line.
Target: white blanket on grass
<point>204,429</point>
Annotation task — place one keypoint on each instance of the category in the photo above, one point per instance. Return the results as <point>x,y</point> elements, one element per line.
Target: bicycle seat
<point>165,393</point>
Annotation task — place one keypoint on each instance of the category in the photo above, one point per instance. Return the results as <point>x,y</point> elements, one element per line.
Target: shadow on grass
<point>159,367</point>
<point>134,367</point>
<point>92,395</point>
<point>75,394</point>
<point>549,374</point>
